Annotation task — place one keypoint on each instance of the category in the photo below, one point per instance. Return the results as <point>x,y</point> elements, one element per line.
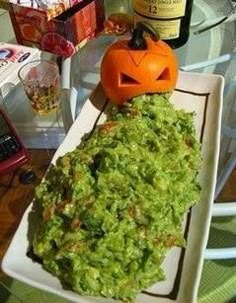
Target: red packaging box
<point>61,35</point>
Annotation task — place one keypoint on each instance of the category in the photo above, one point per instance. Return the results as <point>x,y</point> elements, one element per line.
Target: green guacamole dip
<point>112,208</point>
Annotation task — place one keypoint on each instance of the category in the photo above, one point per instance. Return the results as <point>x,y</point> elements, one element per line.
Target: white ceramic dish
<point>195,92</point>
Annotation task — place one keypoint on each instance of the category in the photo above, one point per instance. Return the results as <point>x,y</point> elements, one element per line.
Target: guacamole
<point>112,208</point>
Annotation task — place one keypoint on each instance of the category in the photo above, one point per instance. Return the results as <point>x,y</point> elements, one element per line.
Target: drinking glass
<point>41,81</point>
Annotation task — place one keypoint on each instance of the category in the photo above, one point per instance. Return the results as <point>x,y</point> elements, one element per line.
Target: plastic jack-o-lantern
<point>144,64</point>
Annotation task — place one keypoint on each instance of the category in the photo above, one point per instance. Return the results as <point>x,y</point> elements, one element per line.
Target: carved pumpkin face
<point>126,73</point>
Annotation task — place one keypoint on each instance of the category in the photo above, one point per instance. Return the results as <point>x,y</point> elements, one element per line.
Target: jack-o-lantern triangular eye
<point>165,75</point>
<point>125,79</point>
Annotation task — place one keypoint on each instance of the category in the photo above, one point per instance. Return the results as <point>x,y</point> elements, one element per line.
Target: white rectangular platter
<point>200,93</point>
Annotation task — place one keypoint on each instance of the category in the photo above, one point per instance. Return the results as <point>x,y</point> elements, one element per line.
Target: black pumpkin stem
<point>137,41</point>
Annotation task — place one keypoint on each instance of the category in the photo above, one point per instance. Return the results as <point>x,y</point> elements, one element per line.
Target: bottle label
<point>164,15</point>
<point>160,8</point>
<point>167,29</point>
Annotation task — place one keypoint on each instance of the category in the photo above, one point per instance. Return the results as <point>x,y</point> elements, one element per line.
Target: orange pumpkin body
<point>126,73</point>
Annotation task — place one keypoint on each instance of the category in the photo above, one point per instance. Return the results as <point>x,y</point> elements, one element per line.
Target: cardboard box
<point>12,58</point>
<point>51,10</point>
<point>63,34</point>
